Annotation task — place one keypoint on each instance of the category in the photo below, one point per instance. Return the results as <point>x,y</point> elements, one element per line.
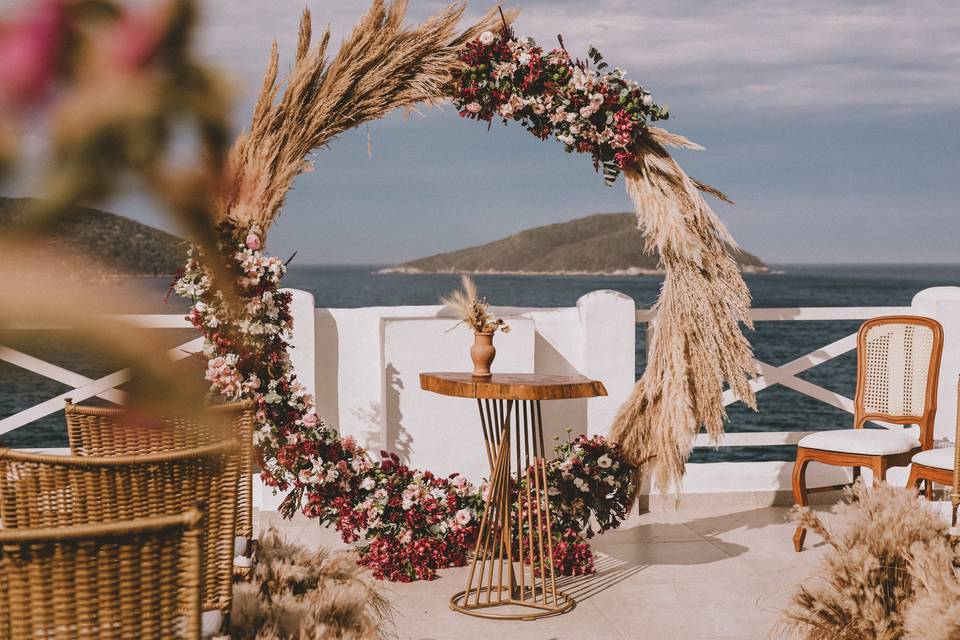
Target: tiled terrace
<point>691,573</point>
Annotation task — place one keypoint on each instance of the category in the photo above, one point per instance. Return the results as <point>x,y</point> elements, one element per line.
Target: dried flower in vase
<point>473,310</point>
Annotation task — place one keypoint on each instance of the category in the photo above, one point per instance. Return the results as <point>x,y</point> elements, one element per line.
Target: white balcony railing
<point>786,374</point>
<point>340,351</point>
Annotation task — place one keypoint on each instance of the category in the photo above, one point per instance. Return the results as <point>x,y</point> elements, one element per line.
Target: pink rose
<point>463,517</point>
<point>474,107</point>
<point>310,420</point>
<point>28,53</point>
<point>252,241</point>
<point>137,38</point>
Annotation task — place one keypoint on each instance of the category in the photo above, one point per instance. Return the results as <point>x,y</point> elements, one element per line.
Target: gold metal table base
<point>517,466</point>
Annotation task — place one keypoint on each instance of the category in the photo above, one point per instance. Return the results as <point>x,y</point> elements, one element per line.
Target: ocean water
<point>357,286</point>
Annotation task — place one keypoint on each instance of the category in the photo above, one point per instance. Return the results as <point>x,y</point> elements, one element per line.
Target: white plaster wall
<point>943,305</point>
<point>357,392</point>
<point>430,431</point>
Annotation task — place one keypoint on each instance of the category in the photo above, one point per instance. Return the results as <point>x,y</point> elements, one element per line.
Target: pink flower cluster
<point>588,109</point>
<point>414,521</point>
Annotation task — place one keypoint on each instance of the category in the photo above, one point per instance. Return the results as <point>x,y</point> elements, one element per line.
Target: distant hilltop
<point>599,244</point>
<point>121,246</point>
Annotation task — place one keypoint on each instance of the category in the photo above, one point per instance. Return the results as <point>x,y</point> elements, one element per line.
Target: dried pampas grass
<point>697,344</point>
<point>473,310</point>
<point>383,65</point>
<point>892,573</point>
<point>298,594</point>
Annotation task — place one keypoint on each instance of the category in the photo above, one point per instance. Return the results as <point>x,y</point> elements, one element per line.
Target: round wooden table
<point>517,491</point>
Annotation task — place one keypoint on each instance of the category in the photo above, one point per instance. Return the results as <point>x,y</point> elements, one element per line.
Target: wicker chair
<point>104,431</point>
<point>39,490</point>
<point>898,363</point>
<point>128,579</point>
<point>941,466</point>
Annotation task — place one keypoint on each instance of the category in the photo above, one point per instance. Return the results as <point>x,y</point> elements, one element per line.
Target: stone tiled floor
<point>705,573</point>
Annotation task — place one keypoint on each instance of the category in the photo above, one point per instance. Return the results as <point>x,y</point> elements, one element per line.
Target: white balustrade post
<point>608,323</point>
<point>303,342</point>
<point>943,305</point>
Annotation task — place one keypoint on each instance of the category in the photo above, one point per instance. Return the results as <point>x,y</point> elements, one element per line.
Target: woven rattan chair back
<point>107,431</point>
<point>121,580</point>
<point>39,490</point>
<point>898,365</point>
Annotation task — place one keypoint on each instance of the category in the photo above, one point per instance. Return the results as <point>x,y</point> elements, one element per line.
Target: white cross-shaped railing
<point>787,374</point>
<point>83,387</point>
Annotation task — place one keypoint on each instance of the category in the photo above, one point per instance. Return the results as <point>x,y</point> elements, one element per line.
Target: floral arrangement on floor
<point>891,572</point>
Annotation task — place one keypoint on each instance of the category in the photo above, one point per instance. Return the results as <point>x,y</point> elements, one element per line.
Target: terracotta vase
<point>482,353</point>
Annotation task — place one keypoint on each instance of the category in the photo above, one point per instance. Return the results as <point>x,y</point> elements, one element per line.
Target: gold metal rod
<point>486,437</point>
<point>528,416</point>
<point>519,502</point>
<point>481,538</point>
<point>502,456</point>
<point>507,542</point>
<point>540,557</point>
<point>533,568</point>
<point>504,498</point>
<point>546,501</point>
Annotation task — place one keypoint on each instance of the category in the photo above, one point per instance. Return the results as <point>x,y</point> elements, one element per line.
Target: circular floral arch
<point>488,72</point>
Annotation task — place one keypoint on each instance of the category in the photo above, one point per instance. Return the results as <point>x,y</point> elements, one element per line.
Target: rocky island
<point>118,246</point>
<point>599,244</point>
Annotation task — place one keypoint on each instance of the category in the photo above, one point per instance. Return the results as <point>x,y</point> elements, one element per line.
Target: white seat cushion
<point>872,442</point>
<point>936,458</point>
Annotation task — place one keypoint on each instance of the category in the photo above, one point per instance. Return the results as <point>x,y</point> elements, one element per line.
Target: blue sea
<point>358,286</point>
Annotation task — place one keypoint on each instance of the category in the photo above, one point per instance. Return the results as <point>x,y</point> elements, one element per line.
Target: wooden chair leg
<point>800,494</point>
<point>913,482</point>
<point>928,489</point>
<point>879,467</point>
<point>856,473</point>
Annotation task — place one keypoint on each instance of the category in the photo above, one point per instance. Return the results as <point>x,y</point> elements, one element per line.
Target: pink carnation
<point>252,241</point>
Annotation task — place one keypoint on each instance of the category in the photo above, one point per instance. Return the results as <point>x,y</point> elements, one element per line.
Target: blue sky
<point>833,125</point>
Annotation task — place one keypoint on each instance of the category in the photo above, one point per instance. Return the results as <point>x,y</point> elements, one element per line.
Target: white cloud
<point>809,55</point>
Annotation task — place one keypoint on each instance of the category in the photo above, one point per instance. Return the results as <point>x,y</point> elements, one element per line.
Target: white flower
<point>565,138</point>
<point>463,517</point>
<point>486,37</point>
<point>604,461</point>
<point>474,107</point>
<point>368,484</point>
<point>553,491</point>
<point>571,117</point>
<point>647,99</point>
<point>586,112</point>
<point>537,108</point>
<point>523,58</point>
<point>596,100</point>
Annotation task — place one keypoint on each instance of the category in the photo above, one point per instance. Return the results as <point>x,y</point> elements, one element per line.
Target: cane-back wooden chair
<point>898,363</point>
<point>107,431</point>
<point>118,580</point>
<point>941,466</point>
<point>38,490</point>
